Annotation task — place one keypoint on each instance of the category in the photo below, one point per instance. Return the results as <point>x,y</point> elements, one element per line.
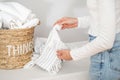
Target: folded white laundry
<point>15,9</point>
<point>9,21</point>
<point>16,16</point>
<point>30,23</point>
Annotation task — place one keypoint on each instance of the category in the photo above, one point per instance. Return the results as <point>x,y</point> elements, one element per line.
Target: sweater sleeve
<point>83,22</point>
<point>106,36</point>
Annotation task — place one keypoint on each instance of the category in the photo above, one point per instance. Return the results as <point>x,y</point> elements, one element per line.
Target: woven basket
<point>16,47</point>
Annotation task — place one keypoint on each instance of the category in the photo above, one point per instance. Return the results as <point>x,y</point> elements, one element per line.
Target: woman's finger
<point>59,21</point>
<point>64,26</point>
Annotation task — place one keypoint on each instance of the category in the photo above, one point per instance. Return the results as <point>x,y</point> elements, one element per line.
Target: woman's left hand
<point>64,54</point>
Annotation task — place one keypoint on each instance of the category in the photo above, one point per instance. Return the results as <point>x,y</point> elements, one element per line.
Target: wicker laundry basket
<point>16,47</point>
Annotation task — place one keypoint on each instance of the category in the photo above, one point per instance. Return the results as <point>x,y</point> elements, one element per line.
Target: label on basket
<point>20,49</point>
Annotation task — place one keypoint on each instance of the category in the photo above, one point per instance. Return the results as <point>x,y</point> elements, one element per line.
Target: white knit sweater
<point>103,22</point>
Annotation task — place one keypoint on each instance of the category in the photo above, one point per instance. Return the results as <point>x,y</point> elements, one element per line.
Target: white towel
<point>15,9</point>
<point>48,59</point>
<point>30,23</point>
<point>9,21</point>
<point>16,16</point>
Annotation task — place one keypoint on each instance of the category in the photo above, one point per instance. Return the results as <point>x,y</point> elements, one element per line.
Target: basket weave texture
<point>16,47</point>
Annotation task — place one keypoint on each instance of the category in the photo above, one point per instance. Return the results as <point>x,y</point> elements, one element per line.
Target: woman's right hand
<point>67,22</point>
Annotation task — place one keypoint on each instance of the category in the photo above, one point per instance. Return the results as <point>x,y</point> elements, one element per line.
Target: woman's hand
<point>64,54</point>
<point>67,22</point>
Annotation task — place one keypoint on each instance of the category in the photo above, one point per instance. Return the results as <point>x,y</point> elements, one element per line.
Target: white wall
<point>50,10</point>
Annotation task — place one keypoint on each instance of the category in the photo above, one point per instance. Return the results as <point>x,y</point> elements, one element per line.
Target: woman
<point>104,33</point>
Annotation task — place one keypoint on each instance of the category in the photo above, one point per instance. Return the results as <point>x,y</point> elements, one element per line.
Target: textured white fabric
<point>38,49</point>
<point>102,24</point>
<point>39,44</point>
<point>92,21</point>
<point>30,23</point>
<point>15,9</point>
<point>48,59</point>
<point>9,21</point>
<point>15,16</point>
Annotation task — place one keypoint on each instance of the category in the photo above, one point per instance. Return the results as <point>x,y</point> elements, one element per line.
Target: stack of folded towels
<point>15,16</point>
